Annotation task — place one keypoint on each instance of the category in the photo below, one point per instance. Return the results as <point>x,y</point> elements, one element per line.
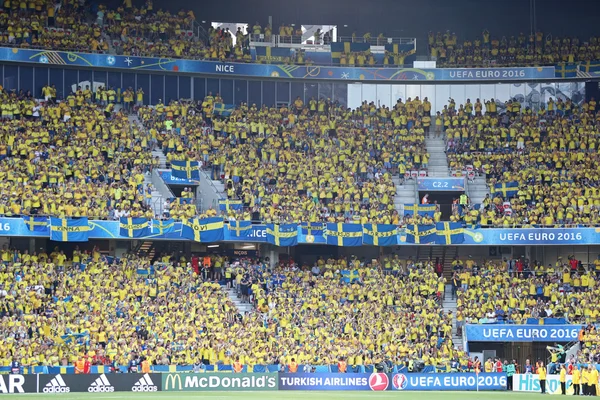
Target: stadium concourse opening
<point>444,199</point>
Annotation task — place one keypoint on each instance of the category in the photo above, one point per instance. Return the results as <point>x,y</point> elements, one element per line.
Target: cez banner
<point>521,333</point>
<point>457,381</point>
<point>531,383</point>
<point>334,381</point>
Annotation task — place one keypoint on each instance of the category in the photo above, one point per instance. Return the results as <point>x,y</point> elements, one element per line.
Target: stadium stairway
<point>406,193</point>
<point>449,304</point>
<point>241,306</point>
<point>477,190</point>
<point>438,162</point>
<point>211,191</point>
<point>162,159</point>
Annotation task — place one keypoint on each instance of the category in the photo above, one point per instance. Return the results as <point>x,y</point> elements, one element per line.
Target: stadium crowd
<point>129,308</point>
<point>306,162</point>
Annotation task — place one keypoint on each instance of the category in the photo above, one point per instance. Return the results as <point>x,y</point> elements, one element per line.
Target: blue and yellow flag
<point>421,234</point>
<point>163,226</point>
<point>340,234</point>
<point>185,169</point>
<point>420,209</point>
<point>312,228</point>
<point>133,227</point>
<point>564,70</point>
<point>282,234</point>
<point>224,110</point>
<point>449,233</point>
<point>380,234</point>
<point>508,189</point>
<point>69,230</point>
<point>590,66</point>
<point>36,224</point>
<point>273,54</point>
<point>349,276</point>
<point>204,230</point>
<point>226,205</point>
<point>239,229</point>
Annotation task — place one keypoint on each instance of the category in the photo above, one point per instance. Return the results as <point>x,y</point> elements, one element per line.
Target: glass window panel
<point>283,92</point>
<point>128,81</point>
<point>143,82</point>
<point>240,91</point>
<point>428,91</point>
<point>457,92</point>
<point>212,86</point>
<point>170,88</point>
<point>532,98</point>
<point>384,95</point>
<point>41,80</point>
<point>56,78</point>
<point>185,87</point>
<point>398,92</point>
<point>442,95</point>
<point>157,88</point>
<point>502,96</point>
<point>517,91</point>
<point>114,80</point>
<point>473,92</point>
<point>269,93</point>
<point>325,90</point>
<point>340,94</point>
<point>84,79</point>
<point>488,92</point>
<point>311,90</point>
<point>11,77</point>
<point>72,80</point>
<point>413,91</point>
<point>369,93</point>
<point>227,90</point>
<point>354,95</point>
<point>99,78</point>
<point>255,93</point>
<point>199,88</point>
<point>26,79</point>
<point>298,91</point>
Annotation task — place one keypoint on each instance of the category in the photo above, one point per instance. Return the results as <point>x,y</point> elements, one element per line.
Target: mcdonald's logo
<point>172,382</point>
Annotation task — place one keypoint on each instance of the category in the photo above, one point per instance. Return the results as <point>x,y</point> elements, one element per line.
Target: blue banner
<point>420,209</point>
<point>161,227</point>
<point>312,228</point>
<point>421,234</point>
<point>240,229</point>
<point>380,235</point>
<point>205,230</point>
<point>132,64</point>
<point>69,229</point>
<point>186,169</point>
<point>521,333</point>
<point>334,381</point>
<point>226,205</point>
<point>454,382</point>
<point>169,179</point>
<point>441,184</point>
<point>507,189</point>
<point>449,233</point>
<point>37,224</point>
<point>340,234</point>
<point>282,234</point>
<point>133,227</point>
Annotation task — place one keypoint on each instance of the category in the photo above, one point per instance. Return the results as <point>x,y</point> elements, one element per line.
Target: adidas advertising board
<point>56,385</point>
<point>101,385</point>
<point>144,384</point>
<point>96,383</point>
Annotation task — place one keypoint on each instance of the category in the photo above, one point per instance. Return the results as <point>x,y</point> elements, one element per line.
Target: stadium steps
<point>406,193</point>
<point>449,304</point>
<point>162,159</point>
<point>146,249</point>
<point>438,162</point>
<point>157,201</point>
<point>477,190</point>
<point>242,307</point>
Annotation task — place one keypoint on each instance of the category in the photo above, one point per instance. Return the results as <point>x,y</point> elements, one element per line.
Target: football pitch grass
<point>285,395</point>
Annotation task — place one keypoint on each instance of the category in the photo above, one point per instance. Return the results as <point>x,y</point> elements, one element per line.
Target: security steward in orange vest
<point>342,366</point>
<point>293,366</point>
<point>145,367</point>
<point>79,366</point>
<point>237,366</point>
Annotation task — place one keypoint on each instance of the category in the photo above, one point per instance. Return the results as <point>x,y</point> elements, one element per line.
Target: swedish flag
<point>564,70</point>
<point>449,233</point>
<point>69,230</point>
<point>349,276</point>
<point>380,234</point>
<point>163,226</point>
<point>224,110</point>
<point>226,205</point>
<point>420,209</point>
<point>133,227</point>
<point>282,234</point>
<point>36,224</point>
<point>204,230</point>
<point>508,189</point>
<point>312,228</point>
<point>239,228</point>
<point>420,234</point>
<point>590,66</point>
<point>185,169</point>
<point>340,234</point>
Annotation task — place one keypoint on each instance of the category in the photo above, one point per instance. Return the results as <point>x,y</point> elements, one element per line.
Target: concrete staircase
<point>158,198</point>
<point>406,193</point>
<point>242,307</point>
<point>449,304</point>
<point>161,157</point>
<point>438,162</point>
<point>477,190</point>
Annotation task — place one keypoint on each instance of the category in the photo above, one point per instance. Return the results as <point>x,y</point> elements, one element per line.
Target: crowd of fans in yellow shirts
<point>306,162</point>
<point>487,50</point>
<point>550,152</point>
<point>171,316</point>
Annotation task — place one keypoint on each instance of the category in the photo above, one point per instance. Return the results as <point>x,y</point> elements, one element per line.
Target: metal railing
<point>377,41</point>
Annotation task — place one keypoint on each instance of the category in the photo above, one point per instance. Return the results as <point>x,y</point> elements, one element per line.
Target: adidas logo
<point>101,384</point>
<point>56,385</point>
<point>145,384</point>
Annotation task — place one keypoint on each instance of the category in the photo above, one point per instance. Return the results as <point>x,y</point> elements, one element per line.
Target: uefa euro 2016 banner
<point>531,383</point>
<point>131,63</point>
<point>521,333</point>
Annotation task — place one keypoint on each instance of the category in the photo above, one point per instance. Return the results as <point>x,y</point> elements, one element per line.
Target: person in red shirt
<point>87,365</point>
<point>574,263</point>
<point>342,366</point>
<point>196,264</point>
<point>498,365</point>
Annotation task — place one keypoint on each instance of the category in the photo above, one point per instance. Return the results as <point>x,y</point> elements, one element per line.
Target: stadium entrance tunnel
<point>444,199</point>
